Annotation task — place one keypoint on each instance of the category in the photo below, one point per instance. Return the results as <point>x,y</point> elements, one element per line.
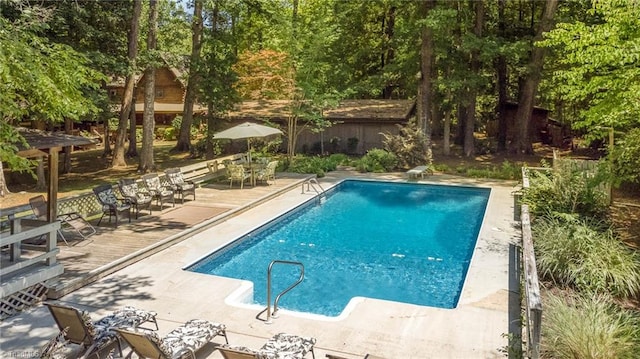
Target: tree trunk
<point>389,53</point>
<point>130,81</point>
<point>41,181</point>
<point>425,88</point>
<point>501,71</point>
<point>146,163</point>
<point>68,129</point>
<point>210,126</point>
<point>184,137</point>
<point>133,133</point>
<point>523,143</point>
<point>107,140</point>
<point>4,190</point>
<point>470,119</point>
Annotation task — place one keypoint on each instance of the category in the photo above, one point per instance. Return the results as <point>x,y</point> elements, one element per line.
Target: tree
<point>146,161</point>
<point>128,101</point>
<point>39,80</point>
<point>596,65</point>
<point>425,90</point>
<point>522,142</point>
<point>184,137</point>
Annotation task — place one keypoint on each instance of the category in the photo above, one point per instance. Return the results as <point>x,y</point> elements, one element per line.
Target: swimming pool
<point>402,242</point>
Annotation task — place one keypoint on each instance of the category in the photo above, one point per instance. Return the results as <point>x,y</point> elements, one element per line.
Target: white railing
<point>21,231</point>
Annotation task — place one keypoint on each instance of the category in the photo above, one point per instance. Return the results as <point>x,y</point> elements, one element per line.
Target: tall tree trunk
<point>4,190</point>
<point>184,137</point>
<point>523,143</point>
<point>146,163</point>
<point>68,129</point>
<point>107,140</point>
<point>425,87</point>
<point>388,27</point>
<point>41,179</point>
<point>133,133</point>
<point>211,121</point>
<point>470,119</point>
<point>118,159</point>
<point>501,71</point>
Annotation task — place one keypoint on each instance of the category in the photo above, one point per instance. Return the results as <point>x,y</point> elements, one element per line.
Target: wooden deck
<point>111,249</point>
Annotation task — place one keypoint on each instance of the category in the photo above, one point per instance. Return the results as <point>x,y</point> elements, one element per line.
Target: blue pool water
<point>401,242</point>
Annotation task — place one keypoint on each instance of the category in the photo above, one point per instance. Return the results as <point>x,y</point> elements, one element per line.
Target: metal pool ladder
<point>312,183</point>
<point>275,303</point>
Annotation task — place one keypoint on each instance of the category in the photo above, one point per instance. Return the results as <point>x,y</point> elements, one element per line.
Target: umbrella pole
<point>249,150</point>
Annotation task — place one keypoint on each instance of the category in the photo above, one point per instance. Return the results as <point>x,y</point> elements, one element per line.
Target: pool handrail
<point>275,303</point>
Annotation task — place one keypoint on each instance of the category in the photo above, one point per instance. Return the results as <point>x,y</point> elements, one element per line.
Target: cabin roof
<point>348,109</point>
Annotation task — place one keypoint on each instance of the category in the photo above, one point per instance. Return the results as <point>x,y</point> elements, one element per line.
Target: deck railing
<point>23,230</point>
<point>533,300</point>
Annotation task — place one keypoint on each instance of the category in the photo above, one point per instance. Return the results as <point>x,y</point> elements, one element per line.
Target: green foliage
<point>567,189</point>
<point>409,145</point>
<point>583,255</point>
<point>39,80</point>
<point>589,328</point>
<point>312,164</point>
<point>506,171</point>
<point>377,160</point>
<point>596,66</point>
<point>626,158</point>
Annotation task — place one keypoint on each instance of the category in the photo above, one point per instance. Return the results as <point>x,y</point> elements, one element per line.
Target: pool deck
<point>488,310</point>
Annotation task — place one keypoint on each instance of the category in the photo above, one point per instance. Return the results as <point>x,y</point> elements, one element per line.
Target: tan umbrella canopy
<point>41,143</point>
<point>247,130</point>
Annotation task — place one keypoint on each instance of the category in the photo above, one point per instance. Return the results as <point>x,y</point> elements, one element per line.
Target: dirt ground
<point>89,168</point>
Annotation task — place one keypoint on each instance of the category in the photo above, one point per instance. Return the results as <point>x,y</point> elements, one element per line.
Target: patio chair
<point>237,173</point>
<point>95,337</point>
<point>70,220</point>
<point>111,204</point>
<point>281,345</point>
<point>138,197</point>
<point>179,184</point>
<point>267,173</point>
<point>183,341</point>
<point>158,190</point>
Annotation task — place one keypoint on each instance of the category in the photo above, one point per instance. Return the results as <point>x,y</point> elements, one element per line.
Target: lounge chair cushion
<point>187,338</point>
<point>127,317</point>
<point>284,345</point>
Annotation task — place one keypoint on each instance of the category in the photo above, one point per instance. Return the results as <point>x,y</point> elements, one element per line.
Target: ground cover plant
<point>589,327</point>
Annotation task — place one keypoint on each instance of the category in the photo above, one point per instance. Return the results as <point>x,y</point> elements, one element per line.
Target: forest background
<point>461,60</point>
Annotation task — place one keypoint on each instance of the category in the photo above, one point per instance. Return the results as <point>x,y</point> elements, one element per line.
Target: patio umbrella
<point>247,130</point>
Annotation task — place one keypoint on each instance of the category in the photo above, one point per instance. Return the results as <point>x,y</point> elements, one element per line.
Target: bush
<point>409,146</point>
<point>313,164</point>
<point>568,189</point>
<point>589,328</point>
<point>377,160</point>
<point>626,158</point>
<point>584,255</point>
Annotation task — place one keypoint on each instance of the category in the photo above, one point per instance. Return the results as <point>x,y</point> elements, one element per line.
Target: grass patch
<point>584,255</point>
<point>589,328</point>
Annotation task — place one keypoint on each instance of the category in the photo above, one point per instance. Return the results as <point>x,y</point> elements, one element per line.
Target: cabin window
<point>113,93</point>
<point>159,92</point>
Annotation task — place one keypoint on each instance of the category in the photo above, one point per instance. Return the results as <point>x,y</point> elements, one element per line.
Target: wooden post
<point>52,189</point>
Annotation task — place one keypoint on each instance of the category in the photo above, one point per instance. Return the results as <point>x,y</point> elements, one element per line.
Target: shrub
<point>584,255</point>
<point>377,160</point>
<point>567,189</point>
<point>409,145</point>
<point>589,327</point>
<point>313,164</point>
<point>626,158</point>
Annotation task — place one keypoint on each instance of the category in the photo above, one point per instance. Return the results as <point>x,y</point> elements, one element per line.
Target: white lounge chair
<point>419,171</point>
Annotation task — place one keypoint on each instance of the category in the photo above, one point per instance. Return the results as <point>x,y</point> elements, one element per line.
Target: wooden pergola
<point>49,144</point>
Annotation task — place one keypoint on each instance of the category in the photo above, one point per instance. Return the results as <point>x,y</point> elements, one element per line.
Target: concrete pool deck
<point>488,310</point>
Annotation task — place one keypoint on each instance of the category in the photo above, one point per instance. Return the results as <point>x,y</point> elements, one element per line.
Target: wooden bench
<point>208,170</point>
<point>419,171</point>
